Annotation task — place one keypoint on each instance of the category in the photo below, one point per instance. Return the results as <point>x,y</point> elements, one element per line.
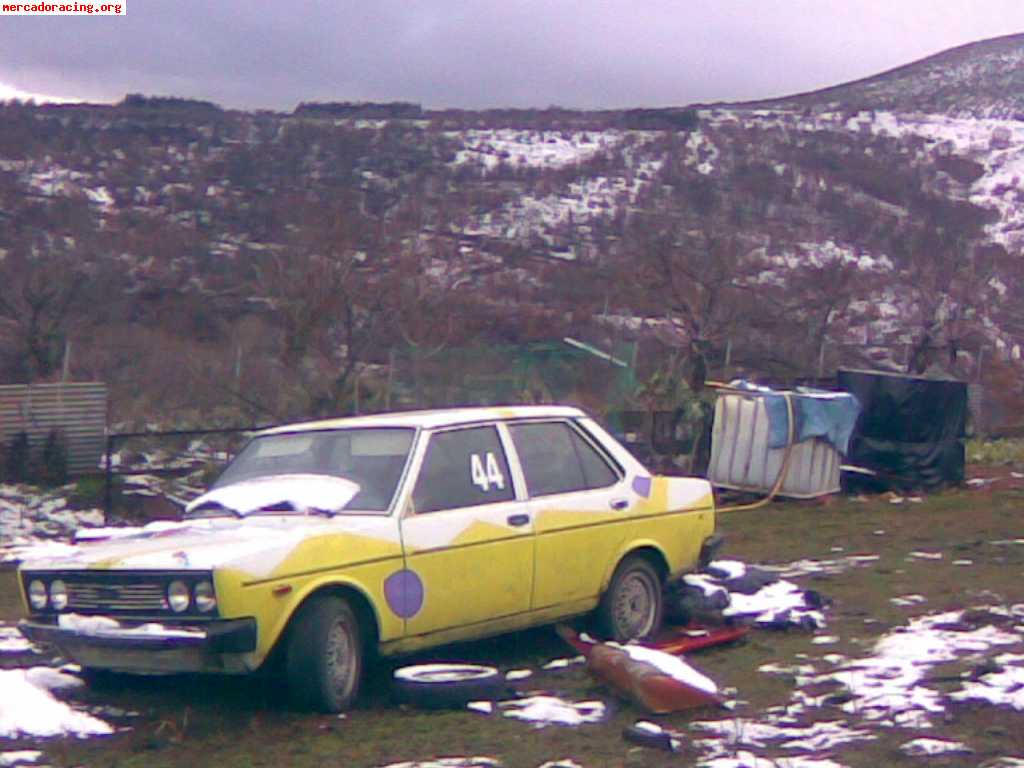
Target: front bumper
<point>216,646</point>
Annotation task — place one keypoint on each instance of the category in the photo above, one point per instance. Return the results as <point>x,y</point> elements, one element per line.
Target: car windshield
<point>372,458</point>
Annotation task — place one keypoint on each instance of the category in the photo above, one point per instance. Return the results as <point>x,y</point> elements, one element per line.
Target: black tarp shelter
<point>910,433</point>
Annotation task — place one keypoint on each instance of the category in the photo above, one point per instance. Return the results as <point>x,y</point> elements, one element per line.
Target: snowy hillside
<point>978,80</point>
<point>205,257</point>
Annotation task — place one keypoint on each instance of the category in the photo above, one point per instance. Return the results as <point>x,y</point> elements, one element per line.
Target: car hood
<point>257,544</point>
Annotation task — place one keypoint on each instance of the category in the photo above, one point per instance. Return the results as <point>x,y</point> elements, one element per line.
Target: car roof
<point>431,419</point>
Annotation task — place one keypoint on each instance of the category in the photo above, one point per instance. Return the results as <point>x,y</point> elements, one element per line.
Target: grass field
<point>955,550</point>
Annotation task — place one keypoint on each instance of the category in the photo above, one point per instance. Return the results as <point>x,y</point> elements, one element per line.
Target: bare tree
<point>43,280</point>
<point>325,295</point>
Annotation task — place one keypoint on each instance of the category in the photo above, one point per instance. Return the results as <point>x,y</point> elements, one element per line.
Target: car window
<point>596,472</point>
<point>373,458</point>
<point>556,459</point>
<point>463,468</point>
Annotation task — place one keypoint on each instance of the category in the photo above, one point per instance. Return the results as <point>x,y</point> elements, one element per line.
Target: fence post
<point>391,378</point>
<point>108,490</point>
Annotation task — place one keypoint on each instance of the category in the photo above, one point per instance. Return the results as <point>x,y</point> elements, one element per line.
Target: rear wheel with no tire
<point>324,657</point>
<point>631,607</point>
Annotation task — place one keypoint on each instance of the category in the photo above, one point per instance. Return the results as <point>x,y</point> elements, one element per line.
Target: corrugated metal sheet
<point>78,411</point>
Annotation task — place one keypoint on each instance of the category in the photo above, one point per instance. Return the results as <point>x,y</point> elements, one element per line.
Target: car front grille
<point>138,597</point>
<point>120,593</point>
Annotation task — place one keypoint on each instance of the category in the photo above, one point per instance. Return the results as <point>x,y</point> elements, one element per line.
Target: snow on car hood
<point>255,543</point>
<point>322,492</point>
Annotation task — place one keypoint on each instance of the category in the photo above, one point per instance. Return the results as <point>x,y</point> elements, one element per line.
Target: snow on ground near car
<point>889,688</point>
<point>472,762</point>
<point>12,641</point>
<point>929,747</point>
<point>542,711</point>
<point>750,760</point>
<point>28,706</point>
<point>1002,687</point>
<point>20,757</point>
<point>449,762</point>
<point>29,517</point>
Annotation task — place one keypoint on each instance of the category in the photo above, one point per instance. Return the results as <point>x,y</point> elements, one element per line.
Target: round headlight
<point>37,597</point>
<point>205,599</point>
<point>58,595</point>
<point>177,596</point>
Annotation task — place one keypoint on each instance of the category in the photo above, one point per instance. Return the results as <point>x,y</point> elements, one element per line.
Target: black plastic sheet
<point>910,432</point>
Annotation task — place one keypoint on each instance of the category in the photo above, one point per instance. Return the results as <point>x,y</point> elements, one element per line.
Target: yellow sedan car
<point>326,542</point>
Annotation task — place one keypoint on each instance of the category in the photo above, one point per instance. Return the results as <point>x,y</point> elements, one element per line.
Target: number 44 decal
<point>485,472</point>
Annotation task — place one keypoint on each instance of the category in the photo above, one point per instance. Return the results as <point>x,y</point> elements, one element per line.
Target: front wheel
<point>324,660</point>
<point>631,607</point>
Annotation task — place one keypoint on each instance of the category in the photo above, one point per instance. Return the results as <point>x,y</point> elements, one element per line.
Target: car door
<point>579,506</point>
<point>465,535</point>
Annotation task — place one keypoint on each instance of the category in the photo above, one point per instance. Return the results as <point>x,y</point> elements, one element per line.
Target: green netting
<point>542,372</point>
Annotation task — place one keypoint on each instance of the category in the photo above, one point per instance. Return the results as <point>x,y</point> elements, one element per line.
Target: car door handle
<point>618,503</point>
<point>518,520</point>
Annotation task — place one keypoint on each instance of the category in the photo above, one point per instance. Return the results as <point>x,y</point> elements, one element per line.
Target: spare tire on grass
<point>447,686</point>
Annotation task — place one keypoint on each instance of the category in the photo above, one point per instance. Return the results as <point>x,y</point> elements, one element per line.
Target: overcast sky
<point>483,53</point>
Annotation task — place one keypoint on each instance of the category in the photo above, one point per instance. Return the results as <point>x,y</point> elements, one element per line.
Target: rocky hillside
<point>198,258</point>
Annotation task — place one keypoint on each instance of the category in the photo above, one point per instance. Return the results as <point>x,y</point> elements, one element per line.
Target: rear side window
<point>556,459</point>
<point>463,468</point>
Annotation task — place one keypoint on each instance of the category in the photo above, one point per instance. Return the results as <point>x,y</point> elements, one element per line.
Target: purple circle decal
<point>642,485</point>
<point>404,593</point>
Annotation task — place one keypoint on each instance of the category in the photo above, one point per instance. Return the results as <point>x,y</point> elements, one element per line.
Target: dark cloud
<point>479,53</point>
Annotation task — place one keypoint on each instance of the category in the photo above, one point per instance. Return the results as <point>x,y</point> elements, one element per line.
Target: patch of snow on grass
<point>908,600</point>
<point>26,709</point>
<point>744,759</point>
<point>551,710</point>
<point>928,747</point>
<point>824,567</point>
<point>53,680</point>
<point>12,641</point>
<point>449,762</point>
<point>1002,688</point>
<point>888,687</point>
<point>563,663</point>
<point>19,757</point>
<point>787,735</point>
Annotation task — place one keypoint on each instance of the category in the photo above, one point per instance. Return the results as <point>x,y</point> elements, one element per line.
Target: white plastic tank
<point>741,459</point>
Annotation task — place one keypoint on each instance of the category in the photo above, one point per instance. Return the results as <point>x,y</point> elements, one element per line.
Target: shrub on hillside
<point>16,462</point>
<point>53,467</point>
